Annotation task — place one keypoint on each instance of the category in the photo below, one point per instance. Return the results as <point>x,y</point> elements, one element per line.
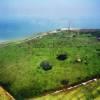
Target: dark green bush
<point>62,57</point>
<point>64,82</point>
<point>46,65</point>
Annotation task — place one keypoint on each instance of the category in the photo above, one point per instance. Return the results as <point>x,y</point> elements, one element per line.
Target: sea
<point>12,29</point>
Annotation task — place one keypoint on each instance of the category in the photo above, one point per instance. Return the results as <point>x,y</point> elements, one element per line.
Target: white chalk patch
<point>69,88</point>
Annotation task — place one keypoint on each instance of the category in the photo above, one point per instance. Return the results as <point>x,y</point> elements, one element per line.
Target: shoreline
<point>40,34</point>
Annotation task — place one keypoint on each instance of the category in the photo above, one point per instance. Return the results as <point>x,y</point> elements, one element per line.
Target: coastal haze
<point>24,18</point>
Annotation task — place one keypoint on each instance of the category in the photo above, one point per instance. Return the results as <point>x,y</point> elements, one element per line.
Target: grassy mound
<point>22,75</point>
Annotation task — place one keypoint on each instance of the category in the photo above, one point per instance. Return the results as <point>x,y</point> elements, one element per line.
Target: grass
<point>22,76</point>
<point>88,92</point>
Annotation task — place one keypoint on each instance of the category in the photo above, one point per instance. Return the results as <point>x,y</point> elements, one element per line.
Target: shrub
<point>97,49</point>
<point>46,65</point>
<point>64,82</point>
<point>98,54</point>
<point>74,35</point>
<point>62,57</point>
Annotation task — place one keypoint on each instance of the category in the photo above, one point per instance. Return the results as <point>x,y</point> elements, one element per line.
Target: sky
<point>50,9</point>
<point>21,17</point>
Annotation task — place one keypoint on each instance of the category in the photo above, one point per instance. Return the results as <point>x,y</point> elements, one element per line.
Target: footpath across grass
<point>4,95</point>
<point>35,67</point>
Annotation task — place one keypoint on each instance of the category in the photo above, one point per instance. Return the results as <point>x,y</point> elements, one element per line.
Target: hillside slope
<point>89,91</point>
<point>44,64</point>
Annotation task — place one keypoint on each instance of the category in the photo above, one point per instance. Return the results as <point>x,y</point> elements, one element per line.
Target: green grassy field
<point>22,75</point>
<point>89,92</point>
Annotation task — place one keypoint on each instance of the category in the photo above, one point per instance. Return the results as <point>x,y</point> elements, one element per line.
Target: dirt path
<point>76,86</point>
<point>5,95</point>
<point>55,92</point>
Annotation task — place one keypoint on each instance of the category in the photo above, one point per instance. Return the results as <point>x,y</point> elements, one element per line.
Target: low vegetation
<point>62,57</point>
<point>24,72</point>
<point>88,92</point>
<point>46,65</point>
